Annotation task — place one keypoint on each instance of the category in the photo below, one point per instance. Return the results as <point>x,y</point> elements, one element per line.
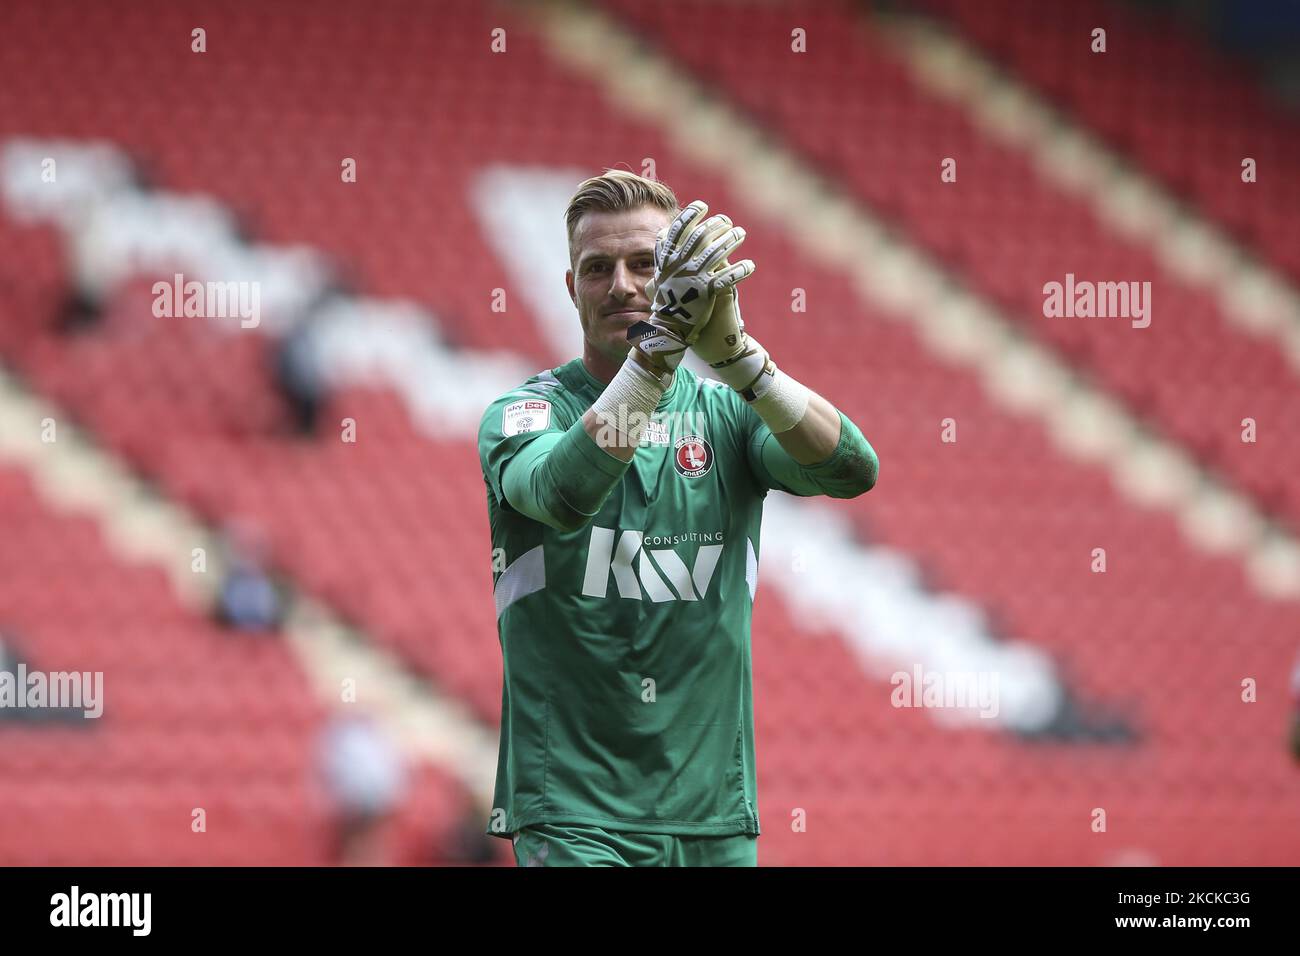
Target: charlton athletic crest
<point>693,456</point>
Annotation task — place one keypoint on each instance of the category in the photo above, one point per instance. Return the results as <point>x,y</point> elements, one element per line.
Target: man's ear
<point>568,281</point>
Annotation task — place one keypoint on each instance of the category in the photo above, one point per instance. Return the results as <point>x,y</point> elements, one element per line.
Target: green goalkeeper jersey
<point>627,699</point>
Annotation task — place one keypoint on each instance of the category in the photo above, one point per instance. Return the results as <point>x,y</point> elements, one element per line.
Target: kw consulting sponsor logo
<point>603,558</point>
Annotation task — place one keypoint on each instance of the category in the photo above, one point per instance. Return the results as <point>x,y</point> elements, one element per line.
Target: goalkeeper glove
<point>690,267</point>
<point>734,357</point>
<point>742,363</point>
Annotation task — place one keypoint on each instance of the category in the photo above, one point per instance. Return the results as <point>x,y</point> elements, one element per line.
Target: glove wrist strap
<point>779,400</point>
<point>741,370</point>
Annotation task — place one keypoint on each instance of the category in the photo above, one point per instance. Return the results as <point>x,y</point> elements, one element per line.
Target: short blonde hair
<point>617,190</point>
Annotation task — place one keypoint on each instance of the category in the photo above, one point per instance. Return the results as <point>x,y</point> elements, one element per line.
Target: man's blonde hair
<point>617,190</point>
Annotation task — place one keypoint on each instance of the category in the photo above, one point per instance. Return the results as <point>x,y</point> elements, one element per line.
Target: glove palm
<point>690,268</point>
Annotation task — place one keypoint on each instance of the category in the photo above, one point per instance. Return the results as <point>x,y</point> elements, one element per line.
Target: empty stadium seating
<point>391,532</point>
<point>1189,115</point>
<point>854,111</point>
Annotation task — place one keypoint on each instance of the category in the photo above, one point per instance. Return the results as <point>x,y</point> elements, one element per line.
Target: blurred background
<point>267,528</point>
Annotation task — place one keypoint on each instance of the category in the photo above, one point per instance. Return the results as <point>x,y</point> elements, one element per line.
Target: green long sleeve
<point>851,469</point>
<point>562,478</point>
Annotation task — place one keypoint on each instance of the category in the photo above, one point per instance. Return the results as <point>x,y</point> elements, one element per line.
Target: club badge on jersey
<point>693,456</point>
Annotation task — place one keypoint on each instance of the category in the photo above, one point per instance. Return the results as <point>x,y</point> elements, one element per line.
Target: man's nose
<point>623,282</point>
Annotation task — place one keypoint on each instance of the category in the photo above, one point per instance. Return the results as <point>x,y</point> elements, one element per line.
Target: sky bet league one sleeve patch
<point>530,415</point>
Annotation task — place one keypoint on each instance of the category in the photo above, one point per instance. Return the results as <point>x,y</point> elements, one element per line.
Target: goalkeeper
<point>625,498</point>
